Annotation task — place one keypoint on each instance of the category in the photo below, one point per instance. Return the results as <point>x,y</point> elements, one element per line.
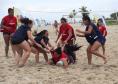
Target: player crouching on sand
<point>63,57</point>
<point>59,58</point>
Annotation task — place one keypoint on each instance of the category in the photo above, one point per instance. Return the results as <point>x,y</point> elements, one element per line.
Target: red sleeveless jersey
<point>64,28</point>
<point>9,21</point>
<point>102,30</point>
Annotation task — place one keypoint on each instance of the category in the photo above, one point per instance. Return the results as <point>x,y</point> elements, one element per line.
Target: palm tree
<point>84,11</point>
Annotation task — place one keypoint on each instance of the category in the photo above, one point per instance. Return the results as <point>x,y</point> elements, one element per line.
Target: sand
<point>79,73</point>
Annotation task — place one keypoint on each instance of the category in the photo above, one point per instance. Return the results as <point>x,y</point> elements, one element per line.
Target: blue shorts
<point>16,41</point>
<point>101,40</point>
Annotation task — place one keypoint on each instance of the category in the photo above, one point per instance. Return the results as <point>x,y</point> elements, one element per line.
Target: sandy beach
<point>79,73</point>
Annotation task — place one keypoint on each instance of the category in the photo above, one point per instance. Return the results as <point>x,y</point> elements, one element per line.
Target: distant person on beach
<point>93,37</point>
<point>8,27</point>
<point>43,40</point>
<point>20,42</point>
<point>103,31</point>
<point>56,24</point>
<point>66,33</point>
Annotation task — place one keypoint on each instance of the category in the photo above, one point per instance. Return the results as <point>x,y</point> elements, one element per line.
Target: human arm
<point>85,32</point>
<point>81,35</point>
<point>3,26</point>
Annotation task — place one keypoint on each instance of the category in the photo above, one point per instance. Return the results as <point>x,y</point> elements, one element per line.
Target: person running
<point>43,40</point>
<point>20,43</point>
<point>66,33</point>
<point>93,37</point>
<point>56,26</point>
<point>103,31</point>
<point>8,25</point>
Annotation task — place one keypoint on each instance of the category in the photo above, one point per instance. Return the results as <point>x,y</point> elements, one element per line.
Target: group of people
<point>23,42</point>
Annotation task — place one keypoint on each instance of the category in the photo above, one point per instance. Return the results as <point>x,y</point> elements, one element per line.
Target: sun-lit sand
<point>79,73</point>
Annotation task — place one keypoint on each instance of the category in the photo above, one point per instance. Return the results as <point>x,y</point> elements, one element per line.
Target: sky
<point>29,7</point>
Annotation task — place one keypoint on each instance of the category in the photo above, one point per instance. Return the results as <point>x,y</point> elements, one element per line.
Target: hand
<point>47,51</point>
<point>52,48</point>
<point>7,28</point>
<point>78,30</point>
<point>11,34</point>
<point>37,44</point>
<point>65,42</point>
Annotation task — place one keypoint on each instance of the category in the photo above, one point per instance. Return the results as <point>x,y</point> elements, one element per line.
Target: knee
<point>7,45</point>
<point>92,50</point>
<point>37,53</point>
<point>87,50</point>
<point>28,51</point>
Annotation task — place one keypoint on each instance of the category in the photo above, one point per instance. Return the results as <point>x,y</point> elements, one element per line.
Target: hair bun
<point>26,21</point>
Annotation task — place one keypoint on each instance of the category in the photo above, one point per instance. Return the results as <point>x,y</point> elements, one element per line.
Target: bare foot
<point>105,60</point>
<point>21,65</point>
<point>7,56</point>
<point>37,63</point>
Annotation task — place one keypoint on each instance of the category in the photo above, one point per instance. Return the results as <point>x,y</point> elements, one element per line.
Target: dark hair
<point>30,22</point>
<point>64,19</point>
<point>26,21</point>
<point>42,33</point>
<point>100,19</point>
<point>10,9</point>
<point>69,50</point>
<point>86,17</point>
<point>58,50</point>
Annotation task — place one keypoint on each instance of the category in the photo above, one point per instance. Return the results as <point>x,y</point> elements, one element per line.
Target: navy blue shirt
<point>21,33</point>
<point>94,35</point>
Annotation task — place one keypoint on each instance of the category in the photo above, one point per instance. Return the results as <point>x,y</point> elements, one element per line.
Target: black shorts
<point>15,41</point>
<point>101,40</point>
<point>6,33</point>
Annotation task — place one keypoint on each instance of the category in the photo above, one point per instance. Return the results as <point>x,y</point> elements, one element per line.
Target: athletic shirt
<point>64,28</point>
<point>21,33</point>
<point>39,37</point>
<point>94,35</point>
<point>56,58</point>
<point>10,21</point>
<point>102,29</point>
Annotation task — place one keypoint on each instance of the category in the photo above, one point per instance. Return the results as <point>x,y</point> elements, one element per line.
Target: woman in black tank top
<point>94,38</point>
<point>43,40</point>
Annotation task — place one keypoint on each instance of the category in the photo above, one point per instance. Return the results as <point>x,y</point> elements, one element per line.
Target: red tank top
<point>64,28</point>
<point>11,22</point>
<point>102,30</point>
<point>57,58</point>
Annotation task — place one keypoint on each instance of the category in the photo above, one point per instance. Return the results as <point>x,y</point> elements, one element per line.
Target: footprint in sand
<point>1,67</point>
<point>97,66</point>
<point>115,83</point>
<point>2,78</point>
<point>114,66</point>
<point>39,69</point>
